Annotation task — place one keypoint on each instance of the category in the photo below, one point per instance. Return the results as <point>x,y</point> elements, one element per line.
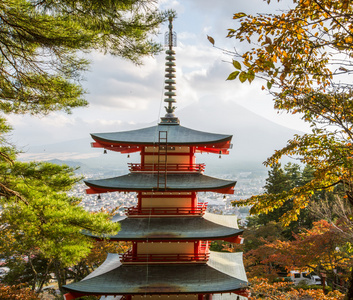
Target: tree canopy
<point>39,219</point>
<point>42,42</point>
<point>281,180</point>
<point>261,288</point>
<point>304,55</point>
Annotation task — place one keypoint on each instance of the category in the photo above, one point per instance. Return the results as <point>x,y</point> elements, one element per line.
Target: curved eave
<point>132,140</point>
<point>158,279</point>
<point>149,182</point>
<point>168,229</point>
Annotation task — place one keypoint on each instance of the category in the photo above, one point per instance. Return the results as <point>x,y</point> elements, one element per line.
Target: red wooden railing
<point>128,257</point>
<point>170,168</point>
<point>159,211</point>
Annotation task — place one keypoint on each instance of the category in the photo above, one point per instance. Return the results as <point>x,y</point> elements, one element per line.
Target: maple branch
<point>333,18</point>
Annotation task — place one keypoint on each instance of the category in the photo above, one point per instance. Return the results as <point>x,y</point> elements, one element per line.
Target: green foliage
<point>282,180</point>
<point>216,246</point>
<point>233,75</point>
<point>304,286</point>
<point>40,216</point>
<point>41,219</point>
<point>282,279</point>
<point>21,271</point>
<point>236,64</point>
<point>40,64</point>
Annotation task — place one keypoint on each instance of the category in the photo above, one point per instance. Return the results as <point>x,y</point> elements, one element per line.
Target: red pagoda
<point>169,228</point>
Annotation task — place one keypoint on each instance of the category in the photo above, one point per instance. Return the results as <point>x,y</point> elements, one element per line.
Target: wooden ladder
<point>162,160</point>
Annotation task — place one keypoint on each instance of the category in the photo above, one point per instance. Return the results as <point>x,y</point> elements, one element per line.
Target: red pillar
<point>193,200</point>
<point>192,156</point>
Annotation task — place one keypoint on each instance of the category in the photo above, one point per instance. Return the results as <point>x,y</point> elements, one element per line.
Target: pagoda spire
<point>170,41</point>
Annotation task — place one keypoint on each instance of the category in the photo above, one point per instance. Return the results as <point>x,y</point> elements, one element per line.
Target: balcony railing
<point>169,168</point>
<point>166,211</point>
<point>128,257</point>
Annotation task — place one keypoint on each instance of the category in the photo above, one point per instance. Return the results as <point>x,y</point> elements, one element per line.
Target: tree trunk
<point>35,274</point>
<point>42,282</point>
<point>59,276</point>
<point>349,295</point>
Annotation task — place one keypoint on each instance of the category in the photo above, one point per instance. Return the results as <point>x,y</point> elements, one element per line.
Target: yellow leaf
<point>210,38</point>
<point>349,39</point>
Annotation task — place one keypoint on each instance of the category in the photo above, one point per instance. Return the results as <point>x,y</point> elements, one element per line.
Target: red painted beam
<point>96,190</point>
<point>117,148</point>
<point>243,292</point>
<point>72,295</point>
<point>212,148</point>
<point>236,239</point>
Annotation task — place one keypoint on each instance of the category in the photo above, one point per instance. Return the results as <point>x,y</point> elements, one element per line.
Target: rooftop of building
<point>176,135</point>
<point>209,227</point>
<point>149,182</point>
<point>223,273</point>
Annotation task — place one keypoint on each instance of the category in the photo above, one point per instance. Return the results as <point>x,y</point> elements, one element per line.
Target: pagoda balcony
<point>136,211</point>
<point>129,258</point>
<point>169,168</point>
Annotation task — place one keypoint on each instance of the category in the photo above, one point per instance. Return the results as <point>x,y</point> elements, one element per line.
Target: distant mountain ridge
<point>254,139</point>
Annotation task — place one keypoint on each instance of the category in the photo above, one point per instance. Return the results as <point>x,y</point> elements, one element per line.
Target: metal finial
<point>170,37</point>
<point>170,41</point>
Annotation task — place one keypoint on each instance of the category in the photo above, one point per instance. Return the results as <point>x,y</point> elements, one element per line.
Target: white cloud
<point>123,95</point>
<point>182,36</point>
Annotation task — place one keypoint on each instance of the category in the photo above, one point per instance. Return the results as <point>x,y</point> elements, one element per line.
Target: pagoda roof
<point>209,227</point>
<point>114,278</point>
<point>177,135</point>
<point>149,182</point>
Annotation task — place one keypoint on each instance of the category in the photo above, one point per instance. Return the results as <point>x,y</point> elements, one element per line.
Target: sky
<point>122,95</point>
